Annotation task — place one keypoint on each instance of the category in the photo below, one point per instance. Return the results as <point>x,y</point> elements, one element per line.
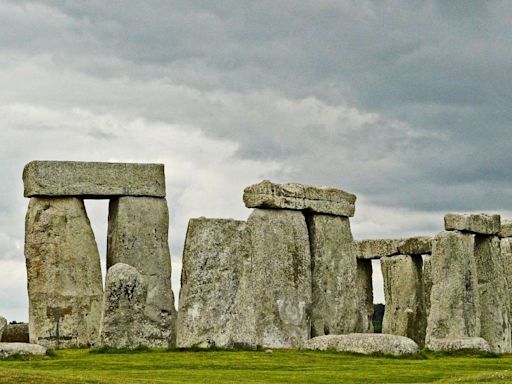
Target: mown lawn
<point>81,366</point>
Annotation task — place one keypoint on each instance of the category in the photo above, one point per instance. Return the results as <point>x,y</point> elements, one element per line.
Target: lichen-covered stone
<point>281,271</point>
<point>365,294</point>
<point>459,344</point>
<point>421,245</point>
<point>216,307</point>
<point>364,343</point>
<point>376,248</point>
<point>20,349</point>
<point>506,228</point>
<point>404,294</point>
<point>494,294</point>
<point>454,299</point>
<point>64,275</point>
<point>16,333</point>
<point>427,282</point>
<point>334,267</point>
<point>300,197</point>
<point>3,326</point>
<point>138,236</point>
<point>475,223</point>
<point>93,180</point>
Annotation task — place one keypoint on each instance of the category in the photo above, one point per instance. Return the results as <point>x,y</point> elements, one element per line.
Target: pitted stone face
<point>481,223</point>
<point>506,228</point>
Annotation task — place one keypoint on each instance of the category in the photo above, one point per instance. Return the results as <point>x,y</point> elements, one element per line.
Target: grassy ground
<point>81,366</point>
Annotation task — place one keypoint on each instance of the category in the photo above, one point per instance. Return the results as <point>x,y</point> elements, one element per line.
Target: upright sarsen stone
<point>427,282</point>
<point>365,295</point>
<point>281,271</point>
<point>138,236</point>
<point>64,276</point>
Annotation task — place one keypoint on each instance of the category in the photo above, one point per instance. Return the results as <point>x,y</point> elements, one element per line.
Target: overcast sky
<point>406,104</point>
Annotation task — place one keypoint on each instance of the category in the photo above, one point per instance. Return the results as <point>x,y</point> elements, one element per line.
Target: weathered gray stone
<point>427,282</point>
<point>365,294</point>
<point>300,197</point>
<point>404,294</point>
<point>215,307</point>
<point>421,245</point>
<point>454,299</point>
<point>459,344</point>
<point>506,228</point>
<point>506,254</point>
<point>20,349</point>
<point>138,236</point>
<point>364,343</point>
<point>475,223</point>
<point>376,248</point>
<point>282,277</point>
<point>64,275</point>
<point>493,291</point>
<point>3,326</point>
<point>16,333</point>
<point>334,268</point>
<point>93,180</point>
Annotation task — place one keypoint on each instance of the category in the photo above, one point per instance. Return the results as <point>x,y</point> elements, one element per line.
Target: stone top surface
<point>267,194</point>
<point>92,179</point>
<point>506,228</point>
<point>378,248</point>
<point>480,223</point>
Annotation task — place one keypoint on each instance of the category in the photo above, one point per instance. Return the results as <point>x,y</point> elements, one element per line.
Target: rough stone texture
<point>404,295</point>
<point>64,275</point>
<point>11,349</point>
<point>138,236</point>
<point>421,245</point>
<point>506,254</point>
<point>281,272</point>
<point>365,343</point>
<point>15,333</point>
<point>300,197</point>
<point>215,306</point>
<point>3,326</point>
<point>93,180</point>
<point>464,343</point>
<point>506,228</point>
<point>427,282</point>
<point>334,268</point>
<point>376,248</point>
<point>365,294</point>
<point>454,299</point>
<point>475,223</point>
<point>493,291</point>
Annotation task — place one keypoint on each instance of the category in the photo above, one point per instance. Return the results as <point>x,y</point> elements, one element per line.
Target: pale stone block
<point>506,228</point>
<point>459,344</point>
<point>421,245</point>
<point>21,349</point>
<point>376,248</point>
<point>475,223</point>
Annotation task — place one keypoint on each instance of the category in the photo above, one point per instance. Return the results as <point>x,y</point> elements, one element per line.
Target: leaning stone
<point>364,343</point>
<point>64,275</point>
<point>421,245</point>
<point>3,326</point>
<point>300,197</point>
<point>376,248</point>
<point>454,299</point>
<point>475,223</point>
<point>215,308</point>
<point>506,228</point>
<point>138,236</point>
<point>16,333</point>
<point>459,344</point>
<point>93,180</point>
<point>281,271</point>
<point>404,296</point>
<point>335,294</point>
<point>427,282</point>
<point>365,294</point>
<point>494,294</point>
<point>20,349</point>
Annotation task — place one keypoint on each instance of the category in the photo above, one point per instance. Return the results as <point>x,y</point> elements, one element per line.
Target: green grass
<point>111,366</point>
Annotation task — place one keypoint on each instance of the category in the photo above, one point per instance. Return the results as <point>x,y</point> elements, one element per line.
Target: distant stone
<point>506,228</point>
<point>365,294</point>
<point>427,282</point>
<point>475,223</point>
<point>459,344</point>
<point>93,180</point>
<point>3,326</point>
<point>364,343</point>
<point>376,248</point>
<point>421,245</point>
<point>23,349</point>
<point>300,197</point>
<point>16,333</point>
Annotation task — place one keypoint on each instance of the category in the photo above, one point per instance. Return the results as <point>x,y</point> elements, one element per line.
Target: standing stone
<point>16,333</point>
<point>282,277</point>
<point>3,326</point>
<point>494,294</point>
<point>427,282</point>
<point>404,294</point>
<point>334,268</point>
<point>64,274</point>
<point>365,294</point>
<point>215,306</point>
<point>454,300</point>
<point>506,254</point>
<point>138,236</point>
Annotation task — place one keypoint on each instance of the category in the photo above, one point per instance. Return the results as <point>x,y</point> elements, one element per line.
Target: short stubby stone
<point>3,326</point>
<point>459,344</point>
<point>281,272</point>
<point>16,333</point>
<point>138,231</point>
<point>20,349</point>
<point>364,343</point>
<point>506,228</point>
<point>405,313</point>
<point>365,295</point>
<point>427,282</point>
<point>421,245</point>
<point>300,197</point>
<point>215,307</point>
<point>335,294</point>
<point>93,180</point>
<point>376,248</point>
<point>454,298</point>
<point>475,223</point>
<point>63,272</point>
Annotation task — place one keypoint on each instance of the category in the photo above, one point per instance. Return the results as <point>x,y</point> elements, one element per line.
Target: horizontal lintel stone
<point>480,223</point>
<point>506,228</point>
<point>421,245</point>
<point>376,248</point>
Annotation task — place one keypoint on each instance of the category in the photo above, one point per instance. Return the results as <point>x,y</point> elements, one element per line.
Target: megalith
<point>365,294</point>
<point>138,236</point>
<point>427,282</point>
<point>64,276</point>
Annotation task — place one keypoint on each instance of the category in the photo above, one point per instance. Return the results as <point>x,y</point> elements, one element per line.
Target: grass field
<point>82,366</point>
